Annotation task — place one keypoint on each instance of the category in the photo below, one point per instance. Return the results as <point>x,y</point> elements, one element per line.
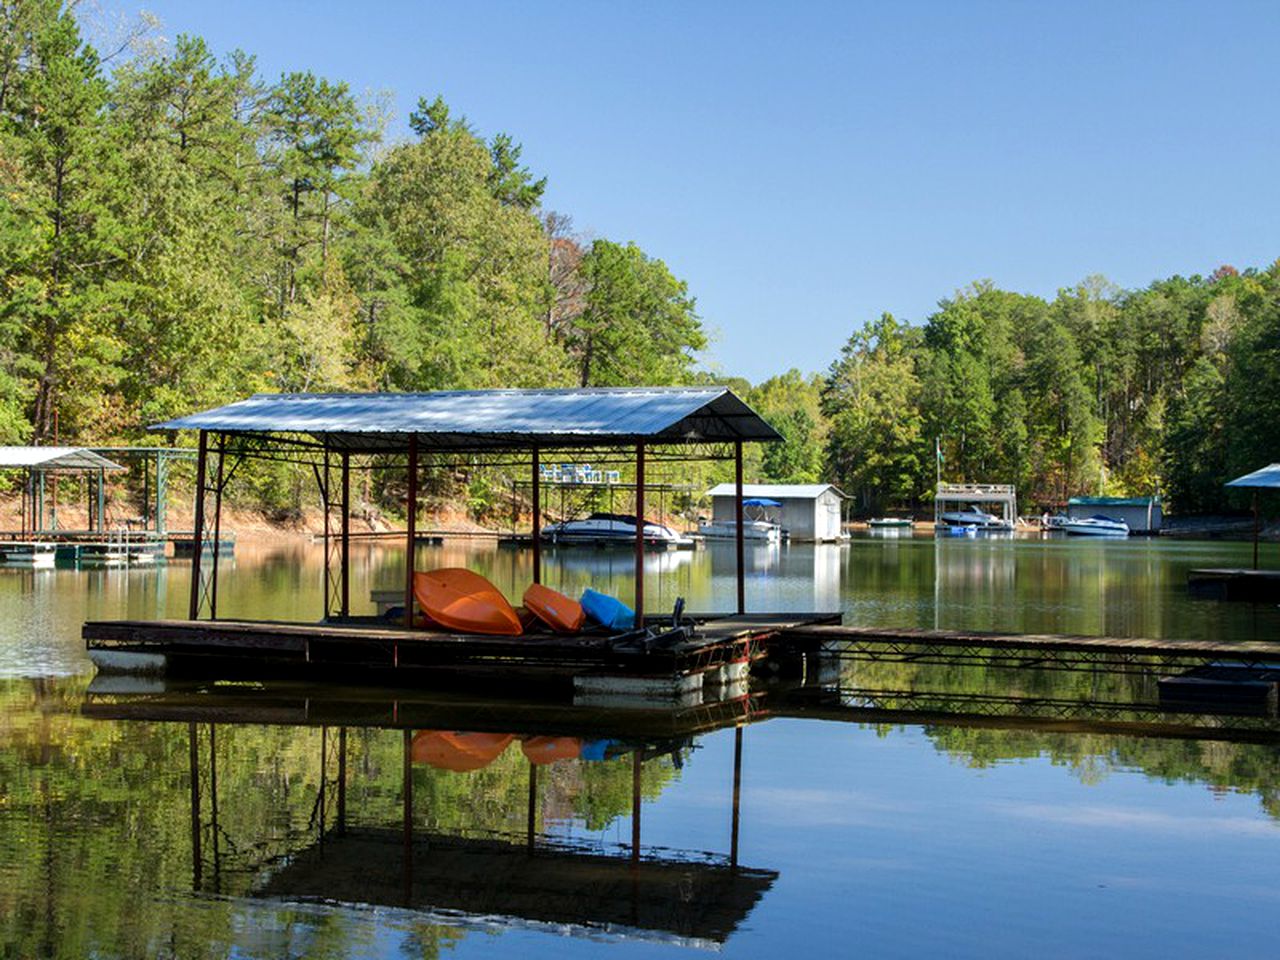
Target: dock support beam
<point>217,526</point>
<point>738,533</point>
<point>639,535</point>
<point>202,464</point>
<point>411,535</point>
<point>537,515</point>
<point>345,608</point>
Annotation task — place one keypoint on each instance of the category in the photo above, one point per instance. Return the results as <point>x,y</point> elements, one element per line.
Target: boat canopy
<point>761,502</point>
<point>1266,478</point>
<point>481,420</point>
<point>54,458</point>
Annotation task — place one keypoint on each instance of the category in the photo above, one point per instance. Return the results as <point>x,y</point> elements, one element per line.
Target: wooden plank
<point>1019,641</point>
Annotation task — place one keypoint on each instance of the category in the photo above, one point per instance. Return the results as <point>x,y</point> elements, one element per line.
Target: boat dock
<point>586,664</point>
<point>1252,586</point>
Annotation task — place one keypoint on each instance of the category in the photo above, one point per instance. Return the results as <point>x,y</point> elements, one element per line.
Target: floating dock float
<point>34,554</point>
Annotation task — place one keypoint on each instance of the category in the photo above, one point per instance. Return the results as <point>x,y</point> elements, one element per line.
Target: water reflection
<point>459,861</point>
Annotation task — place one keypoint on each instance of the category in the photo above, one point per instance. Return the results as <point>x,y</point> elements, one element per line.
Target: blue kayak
<point>608,611</point>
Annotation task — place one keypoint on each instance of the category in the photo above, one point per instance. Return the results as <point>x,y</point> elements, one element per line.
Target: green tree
<point>792,404</point>
<point>876,444</point>
<point>638,324</point>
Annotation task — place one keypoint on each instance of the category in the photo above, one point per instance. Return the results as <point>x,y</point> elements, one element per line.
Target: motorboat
<point>756,525</point>
<point>973,516</point>
<point>889,523</point>
<point>613,528</point>
<point>754,530</point>
<point>1096,526</point>
<point>1054,522</point>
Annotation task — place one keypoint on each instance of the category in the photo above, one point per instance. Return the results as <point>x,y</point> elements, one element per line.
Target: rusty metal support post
<point>537,515</point>
<point>636,759</point>
<point>202,462</point>
<point>737,796</point>
<point>411,536</point>
<point>738,532</point>
<point>217,526</point>
<point>345,608</point>
<point>322,481</point>
<point>639,535</point>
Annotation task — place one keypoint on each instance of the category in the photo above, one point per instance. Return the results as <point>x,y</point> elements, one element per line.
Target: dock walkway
<point>1015,649</point>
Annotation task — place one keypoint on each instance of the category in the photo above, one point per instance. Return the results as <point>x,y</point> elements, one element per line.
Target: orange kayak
<point>554,609</point>
<point>542,750</point>
<point>461,600</point>
<point>458,751</point>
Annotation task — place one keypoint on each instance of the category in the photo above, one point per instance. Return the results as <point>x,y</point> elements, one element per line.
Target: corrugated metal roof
<point>55,458</point>
<point>492,419</point>
<point>1113,501</point>
<point>1266,477</point>
<point>776,491</point>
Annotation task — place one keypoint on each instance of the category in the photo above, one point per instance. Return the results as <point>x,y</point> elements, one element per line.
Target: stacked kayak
<point>458,599</point>
<point>462,600</point>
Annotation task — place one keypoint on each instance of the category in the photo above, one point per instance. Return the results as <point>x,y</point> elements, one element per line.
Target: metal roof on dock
<point>54,458</point>
<point>492,419</point>
<point>1264,478</point>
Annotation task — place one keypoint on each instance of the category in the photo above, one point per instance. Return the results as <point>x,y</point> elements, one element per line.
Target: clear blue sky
<point>807,166</point>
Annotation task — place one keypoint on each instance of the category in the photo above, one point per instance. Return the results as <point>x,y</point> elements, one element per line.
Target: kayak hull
<point>562,614</point>
<point>465,601</point>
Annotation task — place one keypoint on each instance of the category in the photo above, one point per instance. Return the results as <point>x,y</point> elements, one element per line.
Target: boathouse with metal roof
<point>807,511</point>
<point>337,434</point>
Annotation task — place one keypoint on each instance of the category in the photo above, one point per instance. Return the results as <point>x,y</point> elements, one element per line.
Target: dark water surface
<point>852,839</point>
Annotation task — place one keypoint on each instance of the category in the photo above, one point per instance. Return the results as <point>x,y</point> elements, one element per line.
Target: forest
<point>177,231</point>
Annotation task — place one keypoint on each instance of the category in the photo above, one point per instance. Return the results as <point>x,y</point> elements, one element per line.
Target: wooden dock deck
<point>1013,649</point>
<point>1253,586</point>
<point>237,648</point>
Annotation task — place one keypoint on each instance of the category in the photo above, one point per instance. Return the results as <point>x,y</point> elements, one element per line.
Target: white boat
<point>39,555</point>
<point>1054,521</point>
<point>973,516</point>
<point>889,523</point>
<point>754,530</point>
<point>613,528</point>
<point>1096,526</point>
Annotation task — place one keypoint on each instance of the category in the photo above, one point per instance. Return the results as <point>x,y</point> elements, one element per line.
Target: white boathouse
<point>807,511</point>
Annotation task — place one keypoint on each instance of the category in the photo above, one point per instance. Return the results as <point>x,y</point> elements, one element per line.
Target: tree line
<point>177,231</point>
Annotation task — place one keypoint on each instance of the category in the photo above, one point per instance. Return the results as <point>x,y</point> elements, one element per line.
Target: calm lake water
<point>878,840</point>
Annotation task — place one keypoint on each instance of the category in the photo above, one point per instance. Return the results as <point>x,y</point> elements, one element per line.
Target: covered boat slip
<point>335,434</point>
<point>722,646</point>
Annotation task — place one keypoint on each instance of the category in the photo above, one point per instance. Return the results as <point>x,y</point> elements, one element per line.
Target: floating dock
<point>1253,586</point>
<point>587,664</point>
